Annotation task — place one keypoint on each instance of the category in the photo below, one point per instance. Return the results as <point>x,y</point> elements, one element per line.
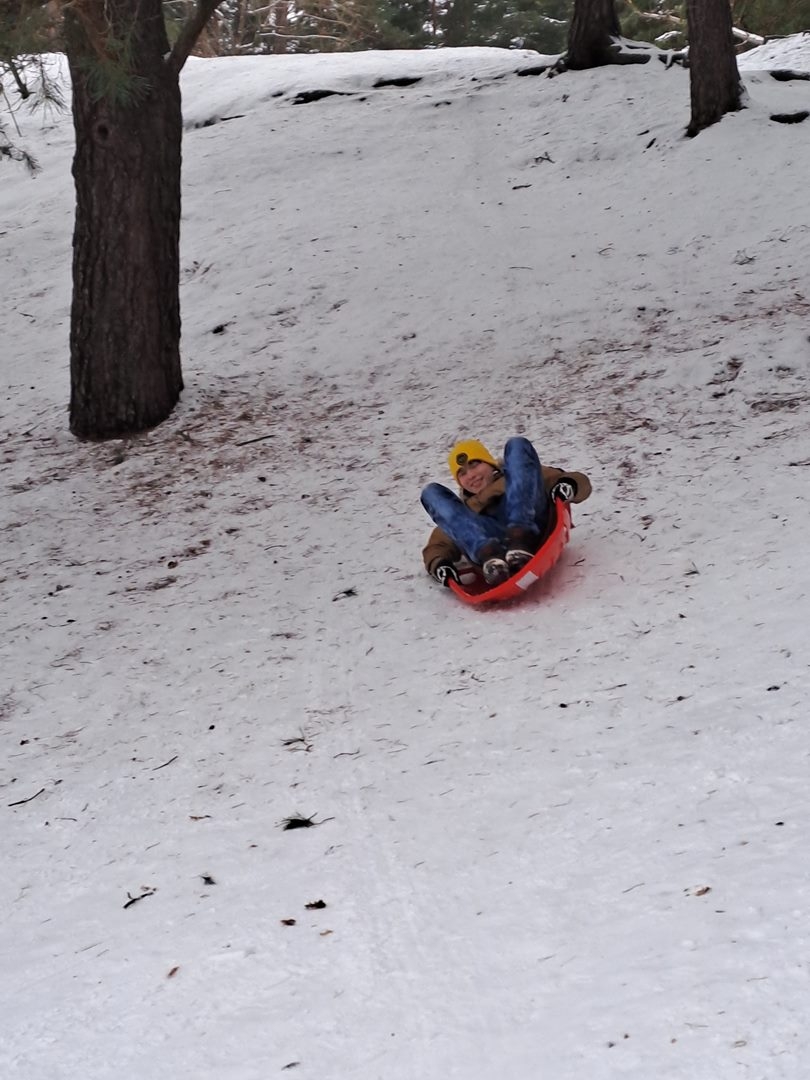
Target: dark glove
<point>564,489</point>
<point>445,572</point>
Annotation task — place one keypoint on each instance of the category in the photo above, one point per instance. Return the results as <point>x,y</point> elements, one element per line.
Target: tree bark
<point>714,80</point>
<point>125,317</point>
<point>594,25</point>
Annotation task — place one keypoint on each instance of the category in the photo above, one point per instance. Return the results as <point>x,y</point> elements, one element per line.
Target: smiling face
<point>475,475</point>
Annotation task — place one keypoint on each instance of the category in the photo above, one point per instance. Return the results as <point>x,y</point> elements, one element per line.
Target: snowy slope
<point>561,839</point>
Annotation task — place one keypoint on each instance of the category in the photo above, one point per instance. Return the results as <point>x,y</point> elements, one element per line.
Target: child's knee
<point>433,493</point>
<point>519,442</point>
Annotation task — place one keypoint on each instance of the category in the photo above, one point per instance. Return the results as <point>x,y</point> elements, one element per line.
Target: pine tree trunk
<point>593,26</point>
<point>714,80</point>
<point>125,318</point>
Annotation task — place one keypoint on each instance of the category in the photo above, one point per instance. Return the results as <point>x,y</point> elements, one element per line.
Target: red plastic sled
<point>476,590</point>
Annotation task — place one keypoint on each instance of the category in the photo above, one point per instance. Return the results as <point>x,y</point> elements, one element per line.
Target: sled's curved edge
<point>540,563</point>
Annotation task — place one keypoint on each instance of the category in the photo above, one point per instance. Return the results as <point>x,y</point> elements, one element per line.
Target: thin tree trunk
<point>125,316</point>
<point>714,79</point>
<point>281,19</point>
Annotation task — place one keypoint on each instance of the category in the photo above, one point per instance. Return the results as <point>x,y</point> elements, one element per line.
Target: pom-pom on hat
<point>466,451</point>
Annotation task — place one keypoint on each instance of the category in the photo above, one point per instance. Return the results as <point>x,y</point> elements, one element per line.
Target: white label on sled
<point>527,580</point>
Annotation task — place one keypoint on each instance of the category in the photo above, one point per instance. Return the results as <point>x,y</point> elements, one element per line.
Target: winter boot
<point>493,564</point>
<point>521,544</point>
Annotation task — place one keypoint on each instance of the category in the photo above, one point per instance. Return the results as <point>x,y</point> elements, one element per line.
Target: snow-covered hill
<point>562,839</point>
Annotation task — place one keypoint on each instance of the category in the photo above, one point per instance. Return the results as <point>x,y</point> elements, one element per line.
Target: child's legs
<point>469,530</point>
<point>526,502</point>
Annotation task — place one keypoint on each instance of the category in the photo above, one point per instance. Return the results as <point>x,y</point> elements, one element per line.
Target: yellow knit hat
<point>466,451</point>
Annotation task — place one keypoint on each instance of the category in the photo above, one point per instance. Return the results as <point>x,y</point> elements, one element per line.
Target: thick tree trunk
<point>714,80</point>
<point>593,26</point>
<point>125,318</point>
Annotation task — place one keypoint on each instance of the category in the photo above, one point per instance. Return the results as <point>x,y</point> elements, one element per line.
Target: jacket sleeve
<point>582,484</point>
<point>438,549</point>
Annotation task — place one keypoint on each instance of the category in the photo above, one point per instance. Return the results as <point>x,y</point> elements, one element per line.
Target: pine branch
<point>22,87</point>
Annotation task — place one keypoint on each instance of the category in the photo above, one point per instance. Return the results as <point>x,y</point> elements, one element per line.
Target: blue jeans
<point>524,504</point>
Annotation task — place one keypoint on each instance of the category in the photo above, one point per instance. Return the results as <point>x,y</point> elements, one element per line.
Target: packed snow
<point>565,838</point>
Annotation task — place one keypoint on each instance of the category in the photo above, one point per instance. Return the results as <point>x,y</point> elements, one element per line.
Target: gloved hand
<point>445,572</point>
<point>564,489</point>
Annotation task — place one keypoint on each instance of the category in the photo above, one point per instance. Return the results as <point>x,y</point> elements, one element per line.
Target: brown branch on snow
<point>165,763</point>
<point>21,802</point>
<point>192,29</point>
<point>147,890</point>
<point>259,438</point>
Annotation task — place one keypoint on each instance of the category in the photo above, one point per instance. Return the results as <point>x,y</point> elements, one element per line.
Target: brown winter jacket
<point>440,547</point>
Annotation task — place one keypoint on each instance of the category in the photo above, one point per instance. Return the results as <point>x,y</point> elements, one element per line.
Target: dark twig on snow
<point>637,886</point>
<point>351,591</point>
<point>134,899</point>
<point>259,438</point>
<point>165,763</point>
<point>298,742</point>
<point>21,802</point>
